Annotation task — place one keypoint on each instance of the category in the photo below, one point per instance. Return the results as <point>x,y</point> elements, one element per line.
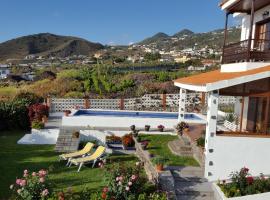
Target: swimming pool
<point>124,119</point>
<point>133,114</point>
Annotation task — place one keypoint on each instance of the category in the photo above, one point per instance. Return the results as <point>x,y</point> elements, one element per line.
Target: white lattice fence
<point>110,104</point>
<point>147,102</point>
<point>59,105</point>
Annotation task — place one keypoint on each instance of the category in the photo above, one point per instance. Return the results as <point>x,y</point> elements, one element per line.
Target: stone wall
<point>164,179</point>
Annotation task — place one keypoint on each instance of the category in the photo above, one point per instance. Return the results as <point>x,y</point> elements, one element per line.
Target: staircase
<point>180,147</point>
<point>65,142</point>
<point>190,184</point>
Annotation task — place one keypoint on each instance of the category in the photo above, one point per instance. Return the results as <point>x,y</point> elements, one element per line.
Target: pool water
<point>134,114</point>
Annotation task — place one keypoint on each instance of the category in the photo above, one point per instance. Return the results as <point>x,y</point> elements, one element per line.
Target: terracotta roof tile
<point>217,75</point>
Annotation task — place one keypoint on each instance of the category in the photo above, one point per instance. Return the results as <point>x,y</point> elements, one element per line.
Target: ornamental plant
<point>123,182</point>
<point>32,186</point>
<point>128,141</point>
<point>37,111</point>
<point>242,184</point>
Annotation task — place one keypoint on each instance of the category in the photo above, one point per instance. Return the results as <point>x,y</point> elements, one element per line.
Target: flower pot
<point>159,167</point>
<point>160,129</point>
<point>76,134</point>
<point>186,129</point>
<point>147,128</point>
<point>44,119</point>
<point>133,128</point>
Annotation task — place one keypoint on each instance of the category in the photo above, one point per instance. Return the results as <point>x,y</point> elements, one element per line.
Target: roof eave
<point>224,83</point>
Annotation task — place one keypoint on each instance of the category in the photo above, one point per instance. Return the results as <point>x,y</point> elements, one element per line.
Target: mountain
<point>188,39</point>
<point>155,38</point>
<point>184,32</point>
<point>47,44</point>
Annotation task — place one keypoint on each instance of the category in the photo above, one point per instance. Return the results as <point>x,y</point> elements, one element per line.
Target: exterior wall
<point>233,153</point>
<point>246,22</point>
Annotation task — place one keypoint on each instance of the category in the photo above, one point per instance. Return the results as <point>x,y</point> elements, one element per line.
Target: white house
<point>4,71</point>
<point>245,74</point>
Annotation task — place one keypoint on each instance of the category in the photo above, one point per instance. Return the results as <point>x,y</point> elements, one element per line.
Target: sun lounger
<point>87,148</point>
<point>93,158</point>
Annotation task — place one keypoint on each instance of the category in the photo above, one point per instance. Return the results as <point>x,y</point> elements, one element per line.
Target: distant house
<point>192,68</point>
<point>4,71</point>
<point>182,59</point>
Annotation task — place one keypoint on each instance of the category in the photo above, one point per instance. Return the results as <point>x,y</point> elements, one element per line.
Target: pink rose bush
<point>123,182</point>
<point>32,186</point>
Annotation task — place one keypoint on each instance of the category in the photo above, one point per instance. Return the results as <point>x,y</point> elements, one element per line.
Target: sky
<point>107,21</point>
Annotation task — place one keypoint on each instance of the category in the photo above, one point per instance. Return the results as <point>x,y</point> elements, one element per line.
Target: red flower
<point>245,170</point>
<point>250,180</point>
<point>103,195</point>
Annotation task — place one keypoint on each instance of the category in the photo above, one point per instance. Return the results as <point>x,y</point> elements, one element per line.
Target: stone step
<point>189,172</point>
<point>191,187</point>
<point>179,148</point>
<point>195,197</point>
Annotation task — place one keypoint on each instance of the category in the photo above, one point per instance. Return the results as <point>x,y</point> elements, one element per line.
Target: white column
<point>182,103</point>
<point>211,127</point>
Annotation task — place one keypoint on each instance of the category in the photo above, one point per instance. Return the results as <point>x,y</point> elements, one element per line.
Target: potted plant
<point>147,128</point>
<point>133,128</point>
<point>159,161</point>
<point>67,112</point>
<point>180,127</point>
<point>127,141</point>
<point>145,145</point>
<point>136,133</point>
<point>161,128</point>
<point>76,134</point>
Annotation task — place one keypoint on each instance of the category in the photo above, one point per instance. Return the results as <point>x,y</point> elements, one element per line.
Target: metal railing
<point>239,52</point>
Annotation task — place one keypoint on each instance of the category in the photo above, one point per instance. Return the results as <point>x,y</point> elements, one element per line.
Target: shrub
<point>128,141</point>
<point>230,117</point>
<point>37,111</point>
<point>242,184</point>
<point>14,115</point>
<point>33,186</point>
<point>201,142</point>
<point>123,182</point>
<point>37,124</point>
<point>113,139</point>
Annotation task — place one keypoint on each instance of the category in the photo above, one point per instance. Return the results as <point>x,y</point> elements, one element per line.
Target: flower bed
<point>242,184</point>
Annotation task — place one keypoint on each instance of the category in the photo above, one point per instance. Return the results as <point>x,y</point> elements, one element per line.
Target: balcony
<point>239,52</point>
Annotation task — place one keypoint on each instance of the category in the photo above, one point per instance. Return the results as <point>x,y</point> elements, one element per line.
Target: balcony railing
<point>239,52</point>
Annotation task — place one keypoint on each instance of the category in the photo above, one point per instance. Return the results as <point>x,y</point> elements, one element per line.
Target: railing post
<point>164,101</point>
<point>225,36</point>
<point>86,102</point>
<point>122,103</point>
<point>250,30</point>
<point>49,101</point>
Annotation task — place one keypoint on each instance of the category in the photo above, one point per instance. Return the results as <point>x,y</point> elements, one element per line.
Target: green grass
<point>15,158</point>
<point>158,145</point>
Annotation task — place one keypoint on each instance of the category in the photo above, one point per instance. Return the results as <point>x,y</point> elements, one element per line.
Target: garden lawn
<point>158,145</point>
<point>15,158</point>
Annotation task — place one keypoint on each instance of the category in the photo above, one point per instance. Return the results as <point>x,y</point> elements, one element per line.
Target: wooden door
<point>262,36</point>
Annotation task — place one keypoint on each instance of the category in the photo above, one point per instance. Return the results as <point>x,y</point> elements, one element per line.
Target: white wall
<point>246,22</point>
<point>232,153</point>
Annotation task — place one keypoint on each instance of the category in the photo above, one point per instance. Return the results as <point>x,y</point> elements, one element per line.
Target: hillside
<point>47,44</point>
<point>159,37</point>
<point>188,39</point>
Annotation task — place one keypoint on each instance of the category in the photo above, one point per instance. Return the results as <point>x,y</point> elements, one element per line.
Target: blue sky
<point>107,21</point>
